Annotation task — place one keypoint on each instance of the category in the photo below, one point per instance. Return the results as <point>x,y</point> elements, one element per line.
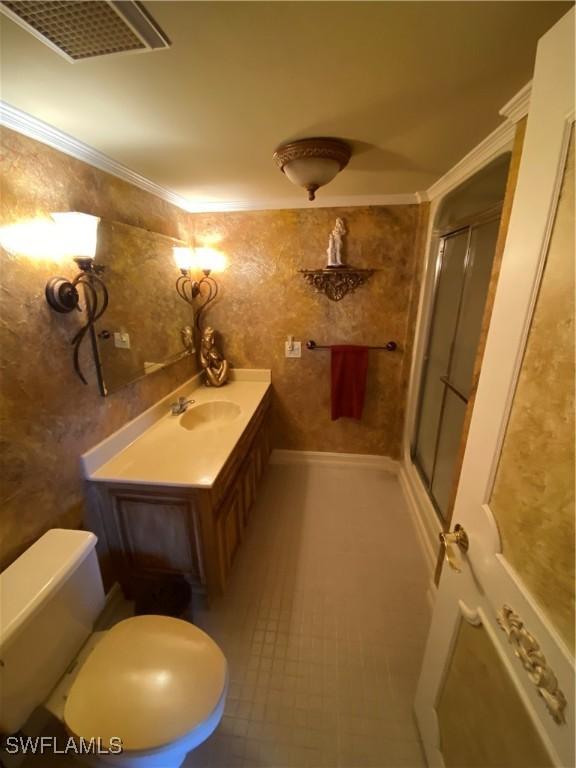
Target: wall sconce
<point>312,163</point>
<point>207,260</point>
<point>77,235</point>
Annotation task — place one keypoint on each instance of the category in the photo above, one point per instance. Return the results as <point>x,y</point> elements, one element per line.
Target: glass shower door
<point>463,267</point>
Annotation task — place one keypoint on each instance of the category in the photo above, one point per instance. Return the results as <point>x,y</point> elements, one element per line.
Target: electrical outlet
<point>122,340</point>
<point>296,350</point>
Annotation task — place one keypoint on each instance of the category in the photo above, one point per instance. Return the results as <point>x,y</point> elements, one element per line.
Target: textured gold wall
<point>533,498</point>
<point>48,417</point>
<point>482,720</point>
<point>264,299</point>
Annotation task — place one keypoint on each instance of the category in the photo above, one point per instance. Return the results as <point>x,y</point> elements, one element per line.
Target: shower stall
<point>463,247</point>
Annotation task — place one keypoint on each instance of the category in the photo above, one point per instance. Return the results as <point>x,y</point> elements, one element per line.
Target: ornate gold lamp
<point>207,260</point>
<point>312,163</point>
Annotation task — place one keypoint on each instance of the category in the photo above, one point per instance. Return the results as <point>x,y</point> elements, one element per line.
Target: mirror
<point>144,328</point>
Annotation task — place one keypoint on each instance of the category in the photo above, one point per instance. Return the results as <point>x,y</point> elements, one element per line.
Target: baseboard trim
<point>327,458</point>
<point>426,526</point>
<point>427,529</point>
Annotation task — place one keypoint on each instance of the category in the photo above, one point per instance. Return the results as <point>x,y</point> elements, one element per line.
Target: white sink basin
<point>211,414</point>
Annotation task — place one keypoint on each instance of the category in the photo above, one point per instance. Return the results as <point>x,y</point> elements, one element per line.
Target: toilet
<point>156,683</point>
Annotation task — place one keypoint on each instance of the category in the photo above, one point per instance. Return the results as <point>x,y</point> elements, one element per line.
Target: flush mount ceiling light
<point>312,163</point>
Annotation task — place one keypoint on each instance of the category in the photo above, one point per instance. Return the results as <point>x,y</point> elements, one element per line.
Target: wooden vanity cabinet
<point>149,530</point>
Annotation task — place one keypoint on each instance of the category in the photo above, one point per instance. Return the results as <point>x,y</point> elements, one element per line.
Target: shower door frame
<point>487,585</point>
<point>493,213</point>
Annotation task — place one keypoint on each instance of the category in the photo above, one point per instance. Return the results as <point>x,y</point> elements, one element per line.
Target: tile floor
<point>323,625</point>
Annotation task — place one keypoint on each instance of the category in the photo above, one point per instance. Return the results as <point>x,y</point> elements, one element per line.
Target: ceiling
<point>413,86</point>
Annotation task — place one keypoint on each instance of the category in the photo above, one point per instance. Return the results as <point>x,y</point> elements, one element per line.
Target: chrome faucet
<point>181,405</point>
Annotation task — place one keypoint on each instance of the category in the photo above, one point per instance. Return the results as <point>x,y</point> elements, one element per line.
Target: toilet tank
<point>50,598</point>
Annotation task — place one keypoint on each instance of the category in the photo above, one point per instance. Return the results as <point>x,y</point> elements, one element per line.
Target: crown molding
<point>497,142</point>
<point>30,126</point>
<point>517,108</point>
<point>493,145</point>
<point>278,204</point>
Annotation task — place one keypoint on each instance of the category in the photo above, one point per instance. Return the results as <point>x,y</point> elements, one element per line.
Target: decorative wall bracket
<point>527,649</point>
<point>336,282</point>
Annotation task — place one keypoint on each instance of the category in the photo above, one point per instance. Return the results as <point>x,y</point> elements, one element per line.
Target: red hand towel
<point>349,367</point>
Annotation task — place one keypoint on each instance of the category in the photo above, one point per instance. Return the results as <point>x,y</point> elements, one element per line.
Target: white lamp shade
<point>311,171</point>
<point>76,233</point>
<point>183,256</point>
<point>33,238</point>
<point>209,259</point>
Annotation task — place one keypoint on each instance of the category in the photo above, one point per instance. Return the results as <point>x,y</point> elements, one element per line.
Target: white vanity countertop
<point>154,449</point>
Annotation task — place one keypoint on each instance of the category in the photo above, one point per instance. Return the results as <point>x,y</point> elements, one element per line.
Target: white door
<point>497,683</point>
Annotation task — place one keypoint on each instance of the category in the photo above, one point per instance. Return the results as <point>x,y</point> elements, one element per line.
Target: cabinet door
<point>248,486</point>
<point>158,535</point>
<point>262,450</point>
<point>232,532</point>
<point>229,528</point>
<point>253,469</point>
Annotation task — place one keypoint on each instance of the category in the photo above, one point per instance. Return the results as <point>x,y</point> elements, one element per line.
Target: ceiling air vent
<point>82,29</point>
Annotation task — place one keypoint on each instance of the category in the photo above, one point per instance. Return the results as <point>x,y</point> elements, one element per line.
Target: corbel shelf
<point>336,282</point>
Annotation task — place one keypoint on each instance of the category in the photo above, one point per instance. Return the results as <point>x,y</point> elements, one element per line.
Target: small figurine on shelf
<point>336,245</point>
<point>211,360</point>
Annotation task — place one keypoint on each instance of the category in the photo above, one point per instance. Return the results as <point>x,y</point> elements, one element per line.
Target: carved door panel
<point>497,683</point>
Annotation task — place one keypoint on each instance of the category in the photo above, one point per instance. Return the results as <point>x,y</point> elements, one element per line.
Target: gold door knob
<point>458,537</point>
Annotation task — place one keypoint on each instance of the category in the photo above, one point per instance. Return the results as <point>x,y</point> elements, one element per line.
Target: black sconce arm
<point>63,296</point>
<point>189,289</point>
<point>91,283</point>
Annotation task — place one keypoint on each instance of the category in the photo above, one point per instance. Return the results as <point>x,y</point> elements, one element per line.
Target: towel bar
<point>389,347</point>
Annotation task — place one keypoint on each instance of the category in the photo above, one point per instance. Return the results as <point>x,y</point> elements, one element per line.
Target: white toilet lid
<point>150,681</point>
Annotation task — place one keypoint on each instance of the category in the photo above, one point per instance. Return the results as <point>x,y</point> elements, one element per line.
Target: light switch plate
<point>122,340</point>
<point>296,350</point>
